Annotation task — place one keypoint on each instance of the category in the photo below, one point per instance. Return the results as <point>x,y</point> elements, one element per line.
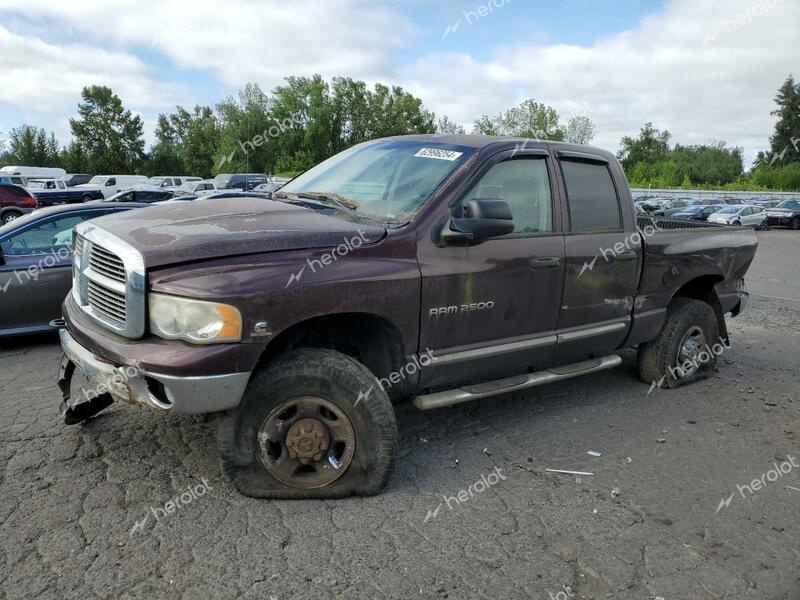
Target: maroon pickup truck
<point>438,269</point>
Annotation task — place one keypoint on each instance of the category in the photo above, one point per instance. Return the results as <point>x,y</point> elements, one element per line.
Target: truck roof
<point>483,141</point>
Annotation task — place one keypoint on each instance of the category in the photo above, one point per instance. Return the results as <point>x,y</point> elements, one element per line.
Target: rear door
<point>492,308</point>
<point>603,250</point>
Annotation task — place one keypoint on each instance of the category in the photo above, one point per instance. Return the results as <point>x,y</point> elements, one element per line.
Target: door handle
<point>545,262</point>
<point>630,255</point>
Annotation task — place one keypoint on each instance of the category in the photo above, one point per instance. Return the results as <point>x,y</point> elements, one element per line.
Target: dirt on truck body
<point>437,269</point>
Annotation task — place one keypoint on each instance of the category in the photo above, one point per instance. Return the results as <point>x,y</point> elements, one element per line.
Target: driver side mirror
<point>483,218</point>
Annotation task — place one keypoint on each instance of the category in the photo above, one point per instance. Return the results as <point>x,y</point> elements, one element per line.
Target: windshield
<point>385,181</point>
<point>793,204</point>
<point>33,184</point>
<point>730,210</point>
<point>222,179</point>
<point>98,179</point>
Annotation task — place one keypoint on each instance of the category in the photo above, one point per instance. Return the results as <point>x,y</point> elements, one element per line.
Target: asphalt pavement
<point>692,493</point>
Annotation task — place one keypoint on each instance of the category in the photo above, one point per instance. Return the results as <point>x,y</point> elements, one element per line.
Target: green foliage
<point>785,141</point>
<point>652,146</point>
<point>536,120</point>
<point>31,146</point>
<point>110,136</point>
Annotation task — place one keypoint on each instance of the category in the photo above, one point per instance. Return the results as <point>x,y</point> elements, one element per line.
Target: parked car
<point>33,172</point>
<point>203,187</point>
<point>73,179</point>
<point>438,268</point>
<point>741,214</point>
<point>143,194</point>
<point>239,181</point>
<point>36,264</point>
<point>56,191</point>
<point>670,207</point>
<point>270,187</point>
<point>785,214</point>
<point>170,181</point>
<point>15,201</point>
<point>694,213</point>
<point>113,184</point>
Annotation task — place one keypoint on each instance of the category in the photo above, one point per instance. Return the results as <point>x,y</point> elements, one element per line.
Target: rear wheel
<point>86,198</point>
<point>313,424</point>
<point>10,216</point>
<point>764,225</point>
<point>736,223</point>
<point>687,345</point>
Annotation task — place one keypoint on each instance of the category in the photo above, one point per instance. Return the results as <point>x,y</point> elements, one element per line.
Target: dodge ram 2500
<point>438,269</point>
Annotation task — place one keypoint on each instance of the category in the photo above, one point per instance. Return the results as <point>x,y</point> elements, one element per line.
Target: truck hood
<point>189,231</point>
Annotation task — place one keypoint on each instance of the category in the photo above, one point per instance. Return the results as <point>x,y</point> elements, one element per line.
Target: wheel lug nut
<point>290,443</point>
<point>317,456</point>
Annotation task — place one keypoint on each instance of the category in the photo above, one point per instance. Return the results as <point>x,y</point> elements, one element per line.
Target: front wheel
<point>312,424</point>
<point>794,223</point>
<point>86,198</point>
<point>687,345</point>
<point>764,225</point>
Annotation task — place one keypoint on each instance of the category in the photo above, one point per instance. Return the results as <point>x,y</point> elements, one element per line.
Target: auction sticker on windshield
<point>438,154</point>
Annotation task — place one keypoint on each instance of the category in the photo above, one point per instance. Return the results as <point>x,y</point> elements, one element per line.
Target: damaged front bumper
<point>185,395</point>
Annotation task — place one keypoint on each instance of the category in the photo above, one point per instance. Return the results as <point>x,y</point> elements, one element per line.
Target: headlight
<point>195,321</point>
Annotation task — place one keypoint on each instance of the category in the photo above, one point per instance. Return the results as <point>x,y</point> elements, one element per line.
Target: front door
<point>492,308</point>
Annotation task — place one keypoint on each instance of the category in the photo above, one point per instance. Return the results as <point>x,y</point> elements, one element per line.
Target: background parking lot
<point>133,505</point>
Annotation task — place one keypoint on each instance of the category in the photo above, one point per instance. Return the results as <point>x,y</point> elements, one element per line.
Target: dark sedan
<point>142,193</point>
<point>695,213</point>
<point>36,264</point>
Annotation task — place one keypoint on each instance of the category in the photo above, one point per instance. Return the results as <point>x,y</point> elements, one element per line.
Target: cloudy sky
<point>704,69</point>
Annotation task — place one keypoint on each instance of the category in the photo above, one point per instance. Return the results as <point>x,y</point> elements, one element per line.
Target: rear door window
<point>591,197</point>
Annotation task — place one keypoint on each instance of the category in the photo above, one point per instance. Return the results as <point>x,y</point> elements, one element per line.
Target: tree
<point>532,119</point>
<point>446,126</point>
<point>580,130</point>
<point>650,147</point>
<point>110,136</point>
<point>785,141</point>
<point>32,146</point>
<point>73,158</point>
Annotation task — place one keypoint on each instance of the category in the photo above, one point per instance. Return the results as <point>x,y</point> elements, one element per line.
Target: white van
<point>34,172</point>
<point>113,184</point>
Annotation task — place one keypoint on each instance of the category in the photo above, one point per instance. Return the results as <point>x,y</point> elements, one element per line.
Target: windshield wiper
<point>322,199</point>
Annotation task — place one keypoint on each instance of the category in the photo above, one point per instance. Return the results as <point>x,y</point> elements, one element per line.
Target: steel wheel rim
<point>306,442</point>
<point>691,346</point>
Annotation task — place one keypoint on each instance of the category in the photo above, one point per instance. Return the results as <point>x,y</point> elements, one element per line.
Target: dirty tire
<point>320,373</point>
<point>658,358</point>
<point>10,216</point>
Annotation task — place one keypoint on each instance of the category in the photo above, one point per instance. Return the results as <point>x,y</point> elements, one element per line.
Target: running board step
<point>514,384</point>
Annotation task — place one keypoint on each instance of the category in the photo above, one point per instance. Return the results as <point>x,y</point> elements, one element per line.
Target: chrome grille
<point>106,263</point>
<point>107,302</point>
<point>109,280</point>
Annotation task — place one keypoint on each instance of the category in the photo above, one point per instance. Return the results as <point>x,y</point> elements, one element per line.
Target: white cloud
<point>705,70</point>
<point>43,77</point>
<point>240,41</point>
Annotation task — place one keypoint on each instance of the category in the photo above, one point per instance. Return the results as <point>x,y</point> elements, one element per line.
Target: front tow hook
<point>58,324</point>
